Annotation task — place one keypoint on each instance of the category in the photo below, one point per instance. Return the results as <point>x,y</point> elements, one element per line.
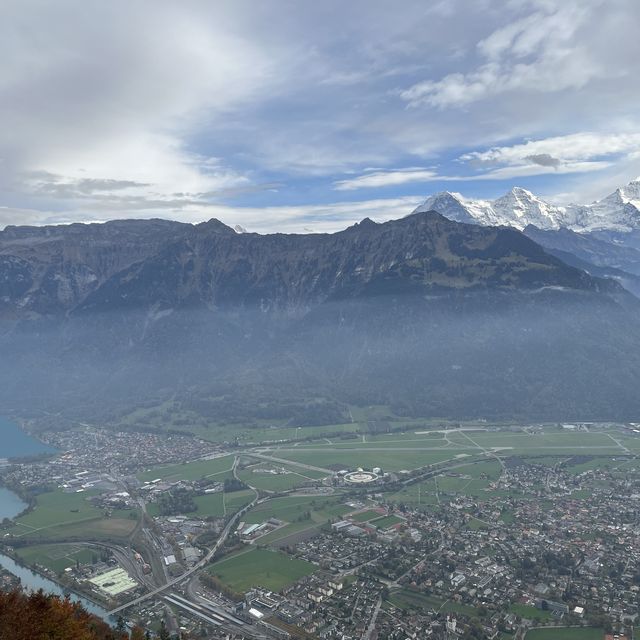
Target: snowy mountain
<point>519,208</point>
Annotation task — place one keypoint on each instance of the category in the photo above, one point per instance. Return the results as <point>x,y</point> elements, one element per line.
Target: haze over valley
<point>320,321</point>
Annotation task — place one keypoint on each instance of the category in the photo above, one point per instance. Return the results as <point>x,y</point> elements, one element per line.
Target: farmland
<point>367,457</point>
<point>56,508</point>
<point>259,567</point>
<point>214,504</point>
<point>55,557</point>
<point>216,468</point>
<point>282,480</point>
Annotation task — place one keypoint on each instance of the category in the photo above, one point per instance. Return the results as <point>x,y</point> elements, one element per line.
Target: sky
<point>297,116</point>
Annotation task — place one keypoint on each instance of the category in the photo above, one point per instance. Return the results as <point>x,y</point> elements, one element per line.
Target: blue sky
<point>294,116</point>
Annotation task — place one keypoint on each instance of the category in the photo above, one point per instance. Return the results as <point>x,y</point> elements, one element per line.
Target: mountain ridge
<point>519,208</point>
<point>429,315</point>
<point>76,268</point>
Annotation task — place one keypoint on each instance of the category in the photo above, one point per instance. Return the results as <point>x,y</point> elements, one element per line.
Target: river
<point>17,443</point>
<point>34,581</point>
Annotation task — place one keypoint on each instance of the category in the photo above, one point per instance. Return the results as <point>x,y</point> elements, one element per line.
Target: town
<point>448,531</point>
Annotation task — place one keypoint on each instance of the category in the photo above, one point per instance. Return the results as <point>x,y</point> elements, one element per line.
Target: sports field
<point>365,516</point>
<point>386,521</point>
<point>56,557</point>
<point>259,567</point>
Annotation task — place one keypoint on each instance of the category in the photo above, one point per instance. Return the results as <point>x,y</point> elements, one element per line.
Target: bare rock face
<point>143,264</point>
<point>433,316</point>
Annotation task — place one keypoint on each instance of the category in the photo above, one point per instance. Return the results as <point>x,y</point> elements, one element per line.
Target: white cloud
<point>396,177</point>
<point>114,98</point>
<point>570,150</point>
<point>324,218</point>
<point>522,168</point>
<point>532,169</point>
<point>155,164</point>
<point>151,108</point>
<point>538,53</point>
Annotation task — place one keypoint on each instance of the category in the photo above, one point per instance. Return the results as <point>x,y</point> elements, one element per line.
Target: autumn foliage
<point>45,617</point>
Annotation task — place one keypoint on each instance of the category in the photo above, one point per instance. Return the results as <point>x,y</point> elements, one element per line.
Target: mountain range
<point>519,208</point>
<point>426,315</point>
<point>602,238</point>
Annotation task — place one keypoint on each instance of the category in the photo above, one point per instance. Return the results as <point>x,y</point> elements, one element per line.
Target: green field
<point>235,500</point>
<point>107,529</point>
<point>56,508</point>
<point>217,469</point>
<point>259,567</point>
<point>213,504</point>
<point>56,557</point>
<point>587,633</point>
<point>291,509</point>
<point>367,457</point>
<point>476,525</point>
<point>60,516</point>
<point>274,482</point>
<point>386,522</point>
<point>530,613</point>
<point>407,599</point>
<point>365,516</point>
<point>299,512</point>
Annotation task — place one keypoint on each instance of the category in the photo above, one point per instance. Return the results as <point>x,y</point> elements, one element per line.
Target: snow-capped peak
<point>619,211</point>
<point>631,192</point>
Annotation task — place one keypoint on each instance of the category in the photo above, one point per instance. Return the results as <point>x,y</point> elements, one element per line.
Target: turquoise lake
<point>14,442</point>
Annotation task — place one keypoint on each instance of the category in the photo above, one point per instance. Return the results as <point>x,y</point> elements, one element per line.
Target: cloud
<point>317,218</point>
<point>376,179</point>
<point>538,53</point>
<point>107,105</point>
<point>500,163</point>
<point>21,216</point>
<point>544,160</point>
<point>536,169</point>
<point>558,150</point>
<point>121,109</point>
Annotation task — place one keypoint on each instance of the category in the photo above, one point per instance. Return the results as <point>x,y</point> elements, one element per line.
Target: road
<point>398,580</point>
<point>205,560</point>
<point>372,622</point>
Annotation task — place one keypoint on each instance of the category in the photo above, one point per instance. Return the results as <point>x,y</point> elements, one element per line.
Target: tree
<point>164,634</point>
<point>38,615</point>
